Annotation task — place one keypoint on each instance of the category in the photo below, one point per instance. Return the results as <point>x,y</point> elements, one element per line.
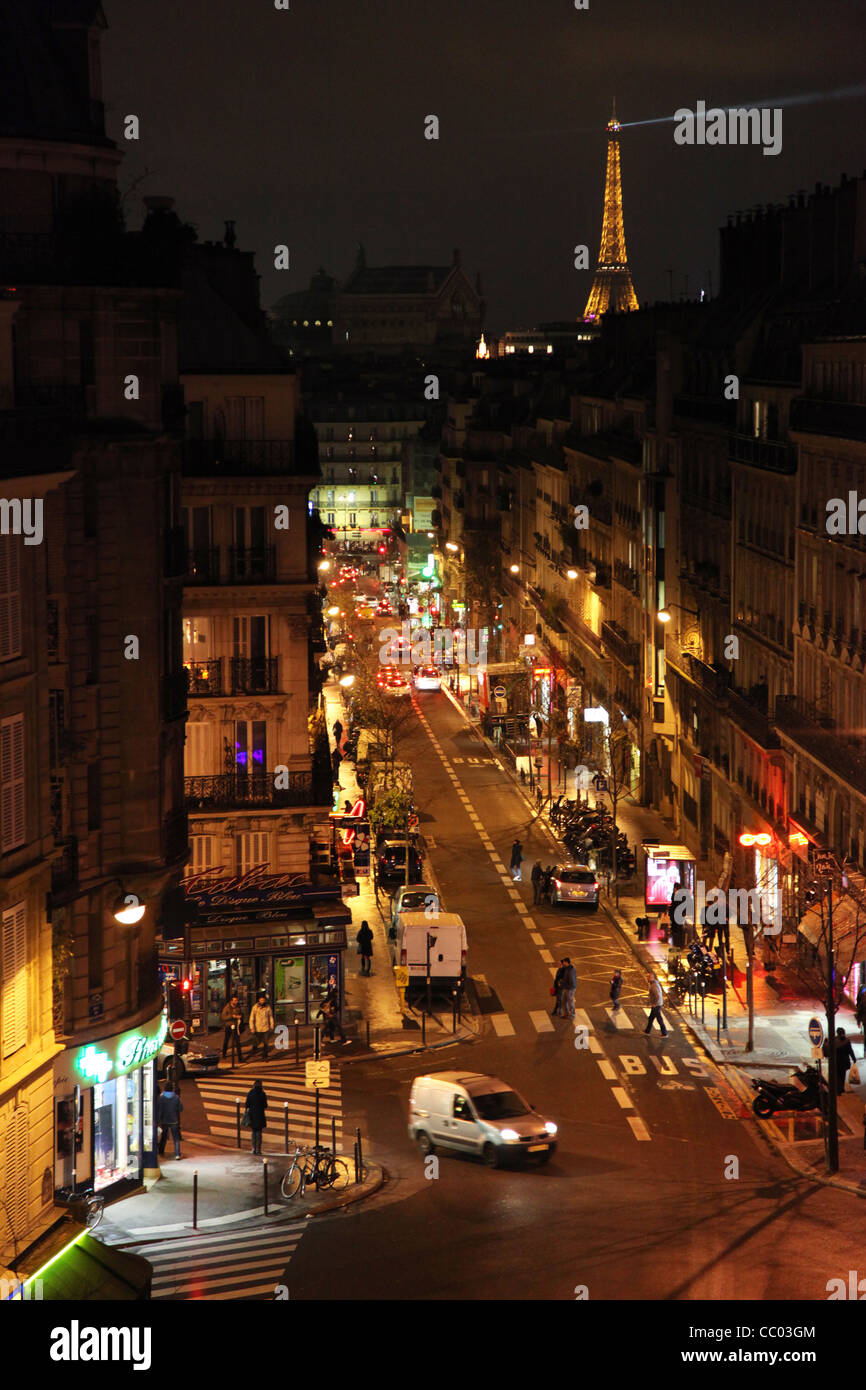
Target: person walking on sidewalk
<point>256,1105</point>
<point>536,877</point>
<point>557,989</point>
<point>232,1019</point>
<point>844,1058</point>
<point>365,947</point>
<point>861,1014</point>
<point>516,861</point>
<point>569,986</point>
<point>546,883</point>
<point>656,999</point>
<point>261,1025</point>
<point>336,759</point>
<point>168,1111</point>
<point>338,732</point>
<point>616,989</point>
<point>330,1012</point>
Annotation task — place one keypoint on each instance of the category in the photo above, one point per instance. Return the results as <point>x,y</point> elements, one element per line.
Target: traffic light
<point>381,550</point>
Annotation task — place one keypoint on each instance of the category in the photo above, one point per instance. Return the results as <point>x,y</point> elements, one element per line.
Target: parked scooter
<point>785,1095</point>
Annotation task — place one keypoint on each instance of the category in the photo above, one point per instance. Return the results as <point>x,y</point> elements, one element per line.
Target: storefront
<point>256,932</point>
<point>104,1109</point>
<point>668,867</point>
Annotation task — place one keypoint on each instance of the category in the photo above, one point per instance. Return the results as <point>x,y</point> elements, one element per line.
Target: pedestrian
<point>616,988</point>
<point>330,1012</point>
<point>256,1105</point>
<point>656,999</point>
<point>232,1019</point>
<point>557,989</point>
<point>536,876</point>
<point>168,1111</point>
<point>516,861</point>
<point>261,1025</point>
<point>338,732</point>
<point>546,882</point>
<point>336,759</point>
<point>365,947</point>
<point>569,985</point>
<point>844,1058</point>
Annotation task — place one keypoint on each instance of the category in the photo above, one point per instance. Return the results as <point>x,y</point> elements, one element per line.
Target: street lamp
<point>333,612</point>
<point>346,681</point>
<point>324,564</point>
<point>515,569</point>
<point>664,614</point>
<point>572,574</point>
<point>449,545</point>
<point>128,909</point>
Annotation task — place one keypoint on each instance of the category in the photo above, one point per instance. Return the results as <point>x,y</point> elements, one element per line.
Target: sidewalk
<point>374,1000</point>
<point>782,1008</point>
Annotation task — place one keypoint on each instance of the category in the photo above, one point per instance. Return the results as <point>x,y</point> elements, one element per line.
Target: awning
<point>73,1267</point>
<point>849,917</point>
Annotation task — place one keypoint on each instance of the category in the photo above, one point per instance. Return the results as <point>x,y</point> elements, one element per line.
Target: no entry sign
<point>177,1029</point>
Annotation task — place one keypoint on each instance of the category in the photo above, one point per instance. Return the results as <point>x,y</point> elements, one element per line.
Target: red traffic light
<point>381,550</point>
<point>187,984</point>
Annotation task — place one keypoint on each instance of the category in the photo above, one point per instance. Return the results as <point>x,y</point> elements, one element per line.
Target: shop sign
<point>115,1056</point>
<point>255,896</point>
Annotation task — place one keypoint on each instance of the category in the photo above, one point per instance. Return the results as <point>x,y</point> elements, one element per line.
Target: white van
<point>448,948</point>
<point>476,1114</point>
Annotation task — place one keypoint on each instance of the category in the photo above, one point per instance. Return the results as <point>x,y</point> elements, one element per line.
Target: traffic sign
<point>178,1029</point>
<point>816,1032</point>
<point>499,692</point>
<point>401,976</point>
<point>318,1075</point>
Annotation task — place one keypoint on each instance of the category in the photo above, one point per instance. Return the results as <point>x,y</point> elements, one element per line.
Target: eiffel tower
<point>612,289</point>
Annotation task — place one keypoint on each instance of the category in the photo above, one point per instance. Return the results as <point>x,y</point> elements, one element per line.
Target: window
<point>10,598</point>
<point>253,850</point>
<point>330,518</point>
<point>12,783</point>
<point>14,968</point>
<point>203,854</point>
<point>250,528</point>
<point>352,521</point>
<point>94,796</point>
<point>250,737</point>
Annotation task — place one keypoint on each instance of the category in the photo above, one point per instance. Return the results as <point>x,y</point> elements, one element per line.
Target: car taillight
<point>557,883</point>
<point>595,887</point>
<point>403,960</point>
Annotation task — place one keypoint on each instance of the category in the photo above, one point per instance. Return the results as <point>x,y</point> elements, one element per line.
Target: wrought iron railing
<point>254,675</point>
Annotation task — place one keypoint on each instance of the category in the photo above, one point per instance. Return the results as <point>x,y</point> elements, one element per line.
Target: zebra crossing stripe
<point>542,1020</point>
<point>620,1019</point>
<point>503,1025</point>
<point>240,1265</point>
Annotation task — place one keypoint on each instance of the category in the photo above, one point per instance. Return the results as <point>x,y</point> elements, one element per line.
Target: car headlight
<point>509,1134</point>
<point>550,1126</point>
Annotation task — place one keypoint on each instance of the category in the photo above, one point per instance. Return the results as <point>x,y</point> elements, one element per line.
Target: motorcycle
<point>785,1095</point>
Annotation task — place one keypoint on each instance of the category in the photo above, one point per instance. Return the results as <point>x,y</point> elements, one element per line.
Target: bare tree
<point>617,748</point>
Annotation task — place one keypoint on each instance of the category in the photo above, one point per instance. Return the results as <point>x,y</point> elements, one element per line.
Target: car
<point>195,1055</point>
<point>385,674</point>
<point>574,883</point>
<point>391,862</point>
<point>396,685</point>
<point>415,897</point>
<point>468,1112</point>
<point>427,678</point>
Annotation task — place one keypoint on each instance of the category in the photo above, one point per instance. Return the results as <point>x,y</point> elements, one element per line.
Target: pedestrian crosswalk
<point>624,1019</point>
<point>287,1095</point>
<point>240,1265</point>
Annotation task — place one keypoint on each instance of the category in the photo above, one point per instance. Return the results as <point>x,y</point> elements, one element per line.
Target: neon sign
<point>130,1050</point>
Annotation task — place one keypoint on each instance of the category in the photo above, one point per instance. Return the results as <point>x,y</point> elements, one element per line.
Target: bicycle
<point>84,1205</point>
<point>314,1165</point>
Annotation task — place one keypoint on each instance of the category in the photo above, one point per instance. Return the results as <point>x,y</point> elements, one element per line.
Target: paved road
<point>640,1201</point>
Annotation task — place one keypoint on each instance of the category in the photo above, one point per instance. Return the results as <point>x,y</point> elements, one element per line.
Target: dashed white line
<point>638,1128</point>
<point>503,1025</point>
<point>622,1098</point>
<point>607,1070</point>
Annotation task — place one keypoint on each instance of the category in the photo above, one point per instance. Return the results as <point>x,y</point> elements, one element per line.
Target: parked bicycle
<point>85,1205</point>
<point>314,1166</point>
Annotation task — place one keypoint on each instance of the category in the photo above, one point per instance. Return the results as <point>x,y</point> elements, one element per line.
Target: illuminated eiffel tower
<point>612,289</point>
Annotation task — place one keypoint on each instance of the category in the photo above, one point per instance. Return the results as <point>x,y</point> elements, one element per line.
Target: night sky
<point>306,127</point>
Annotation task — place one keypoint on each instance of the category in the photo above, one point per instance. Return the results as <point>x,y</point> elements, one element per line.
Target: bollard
<point>195,1199</point>
<point>334,1135</point>
<point>368,1035</point>
<point>423,1029</point>
<point>297,1045</point>
<point>453,1011</point>
<point>265,1176</point>
<point>360,1152</point>
<point>358,1175</point>
<point>703,1004</point>
<point>238,1113</point>
<point>286,1122</point>
<point>718,1027</point>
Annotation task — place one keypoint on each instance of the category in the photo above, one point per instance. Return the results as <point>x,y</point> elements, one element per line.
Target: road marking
<point>539,940</point>
<point>513,893</point>
<point>541,1019</point>
<point>581,1016</point>
<point>529,923</point>
<point>457,760</point>
<point>665,1020</point>
<point>503,1025</point>
<point>633,1066</point>
<point>594,1044</point>
<point>546,956</point>
<point>620,1019</point>
<point>607,1070</point>
<point>521,907</point>
<point>622,1098</point>
<point>666,1065</point>
<point>638,1128</point>
<point>719,1102</point>
<point>696,1067</point>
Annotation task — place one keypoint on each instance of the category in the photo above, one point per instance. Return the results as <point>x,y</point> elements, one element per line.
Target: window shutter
<point>203,857</point>
<point>16,1173</point>
<point>253,850</point>
<point>12,783</point>
<point>10,598</point>
<point>14,967</point>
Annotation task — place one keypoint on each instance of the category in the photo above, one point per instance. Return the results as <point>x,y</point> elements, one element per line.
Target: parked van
<point>448,949</point>
<point>476,1114</point>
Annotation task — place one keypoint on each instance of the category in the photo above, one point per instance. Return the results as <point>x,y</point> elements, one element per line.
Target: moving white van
<point>448,947</point>
<point>476,1114</point>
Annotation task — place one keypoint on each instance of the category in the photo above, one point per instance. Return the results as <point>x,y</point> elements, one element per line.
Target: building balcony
<point>816,733</point>
<point>254,675</point>
<point>204,458</point>
<point>175,836</point>
<point>626,576</point>
<point>836,419</point>
<point>714,683</point>
<point>64,871</point>
<point>254,565</point>
<point>205,677</point>
<point>752,720</point>
<point>174,696</point>
<point>620,645</point>
<point>230,790</point>
<point>202,565</point>
<point>777,455</point>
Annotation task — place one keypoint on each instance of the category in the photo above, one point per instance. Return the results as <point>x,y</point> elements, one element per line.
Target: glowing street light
<point>449,545</point>
<point>128,910</point>
<point>324,564</point>
<point>333,612</point>
<point>572,574</point>
<point>515,569</point>
<point>346,681</point>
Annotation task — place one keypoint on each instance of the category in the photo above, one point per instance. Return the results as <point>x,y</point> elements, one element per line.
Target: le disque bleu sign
<point>255,896</point>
